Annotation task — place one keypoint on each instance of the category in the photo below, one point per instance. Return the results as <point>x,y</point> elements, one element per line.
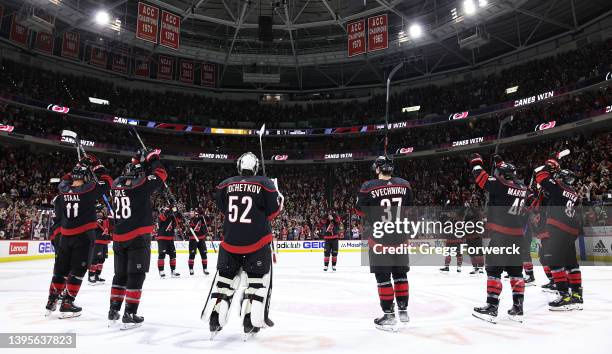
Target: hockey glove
<point>476,159</point>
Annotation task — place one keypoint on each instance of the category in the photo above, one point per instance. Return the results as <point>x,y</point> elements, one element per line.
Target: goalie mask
<point>384,164</point>
<point>247,162</point>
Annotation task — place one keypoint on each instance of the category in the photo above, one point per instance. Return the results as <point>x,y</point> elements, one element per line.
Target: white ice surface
<point>314,312</point>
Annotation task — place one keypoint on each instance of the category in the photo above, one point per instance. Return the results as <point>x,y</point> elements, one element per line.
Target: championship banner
<point>356,33</point>
<point>120,62</point>
<point>378,34</point>
<point>19,33</point>
<point>98,57</point>
<point>209,75</point>
<point>146,22</point>
<point>141,67</point>
<point>186,73</point>
<point>44,42</point>
<point>70,45</point>
<point>170,31</point>
<point>165,66</point>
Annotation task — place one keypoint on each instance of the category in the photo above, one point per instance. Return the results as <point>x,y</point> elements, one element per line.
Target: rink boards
<point>595,245</point>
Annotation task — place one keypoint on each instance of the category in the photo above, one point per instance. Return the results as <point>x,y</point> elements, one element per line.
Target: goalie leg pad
<point>221,297</point>
<point>256,298</point>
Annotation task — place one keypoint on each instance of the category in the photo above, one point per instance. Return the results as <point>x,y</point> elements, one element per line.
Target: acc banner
<point>70,45</point>
<point>141,67</point>
<point>209,75</point>
<point>186,73</point>
<point>356,38</point>
<point>378,36</point>
<point>98,57</point>
<point>120,62</point>
<point>165,66</point>
<point>170,32</point>
<point>146,22</point>
<point>44,42</point>
<point>19,33</point>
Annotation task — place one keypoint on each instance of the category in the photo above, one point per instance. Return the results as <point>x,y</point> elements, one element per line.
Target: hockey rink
<point>314,312</point>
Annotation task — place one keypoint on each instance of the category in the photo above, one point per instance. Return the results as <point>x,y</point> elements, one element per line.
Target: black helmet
<point>79,172</point>
<point>568,177</point>
<point>384,164</point>
<point>133,169</point>
<point>505,170</point>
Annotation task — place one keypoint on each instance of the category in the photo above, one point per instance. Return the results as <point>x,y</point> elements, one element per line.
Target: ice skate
<point>444,270</point>
<point>162,274</point>
<point>325,269</point>
<point>562,303</point>
<point>550,287</point>
<point>113,317</point>
<point>387,322</point>
<point>191,272</point>
<point>214,325</point>
<point>91,279</point>
<point>475,272</point>
<point>175,274</point>
<point>486,313</point>
<point>516,313</point>
<point>249,329</point>
<point>333,268</point>
<point>459,269</point>
<point>530,280</point>
<point>51,305</point>
<point>130,321</point>
<point>577,301</point>
<point>68,309</point>
<point>206,272</point>
<point>100,281</point>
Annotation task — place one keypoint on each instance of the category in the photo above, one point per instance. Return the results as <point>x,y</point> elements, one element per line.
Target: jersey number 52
<point>234,207</point>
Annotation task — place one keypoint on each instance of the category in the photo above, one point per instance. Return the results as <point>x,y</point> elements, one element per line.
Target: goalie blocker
<point>249,203</point>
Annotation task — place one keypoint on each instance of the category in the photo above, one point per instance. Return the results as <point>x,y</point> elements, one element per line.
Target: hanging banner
<point>356,33</point>
<point>98,57</point>
<point>165,66</point>
<point>120,62</point>
<point>44,42</point>
<point>209,75</point>
<point>70,45</point>
<point>170,31</point>
<point>141,67</point>
<point>186,73</point>
<point>19,33</point>
<point>378,35</point>
<point>146,22</point>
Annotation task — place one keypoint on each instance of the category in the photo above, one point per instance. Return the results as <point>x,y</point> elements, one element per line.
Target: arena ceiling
<point>310,40</point>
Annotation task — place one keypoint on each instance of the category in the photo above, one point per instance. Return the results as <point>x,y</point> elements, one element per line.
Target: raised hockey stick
<point>72,137</point>
<point>391,74</point>
<point>261,132</point>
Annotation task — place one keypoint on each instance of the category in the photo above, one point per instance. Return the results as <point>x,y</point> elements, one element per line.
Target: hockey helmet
<point>79,172</point>
<point>505,170</point>
<point>247,162</point>
<point>133,169</point>
<point>568,177</point>
<point>384,164</point>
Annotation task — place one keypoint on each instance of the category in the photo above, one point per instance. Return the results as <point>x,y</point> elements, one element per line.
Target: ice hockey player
<point>166,225</point>
<point>200,227</point>
<point>505,222</point>
<point>76,205</point>
<point>133,225</point>
<point>563,226</point>
<point>472,212</point>
<point>379,200</point>
<point>453,245</point>
<point>100,248</point>
<point>249,203</point>
<point>536,226</point>
<point>330,231</point>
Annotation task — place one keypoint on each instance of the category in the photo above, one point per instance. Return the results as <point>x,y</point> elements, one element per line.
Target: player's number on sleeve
<point>517,206</point>
<point>387,204</point>
<point>72,210</point>
<point>123,208</point>
<point>234,209</point>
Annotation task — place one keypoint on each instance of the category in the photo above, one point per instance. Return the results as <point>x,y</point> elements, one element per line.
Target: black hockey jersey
<point>384,200</point>
<point>249,204</point>
<point>166,224</point>
<point>77,205</point>
<point>330,229</point>
<point>56,226</point>
<point>506,202</point>
<point>132,203</point>
<point>198,224</point>
<point>559,205</point>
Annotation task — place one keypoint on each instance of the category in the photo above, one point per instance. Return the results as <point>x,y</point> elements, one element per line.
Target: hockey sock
<point>190,263</point>
<point>99,270</point>
<point>547,272</point>
<point>494,289</point>
<point>334,260</point>
<point>326,261</point>
<point>204,263</point>
<point>459,260</point>
<point>385,291</point>
<point>93,268</point>
<point>518,289</point>
<point>58,283</point>
<point>401,289</point>
<point>560,277</point>
<point>447,261</point>
<point>133,291</point>
<point>74,284</point>
<point>172,264</point>
<point>575,279</point>
<point>528,267</point>
<point>160,262</point>
<point>118,292</point>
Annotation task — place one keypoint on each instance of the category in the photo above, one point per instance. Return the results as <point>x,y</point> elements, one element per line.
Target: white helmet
<point>248,161</point>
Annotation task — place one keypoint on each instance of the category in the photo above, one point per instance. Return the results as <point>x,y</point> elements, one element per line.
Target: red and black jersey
<point>57,219</point>
<point>249,204</point>
<point>198,224</point>
<point>330,229</point>
<point>380,200</point>
<point>167,222</point>
<point>103,232</point>
<point>559,204</point>
<point>77,205</point>
<point>132,202</point>
<point>506,202</point>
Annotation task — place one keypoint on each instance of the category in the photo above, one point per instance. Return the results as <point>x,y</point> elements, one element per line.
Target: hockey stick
<point>263,166</point>
<point>559,155</point>
<point>72,137</point>
<point>391,74</point>
<point>505,121</point>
